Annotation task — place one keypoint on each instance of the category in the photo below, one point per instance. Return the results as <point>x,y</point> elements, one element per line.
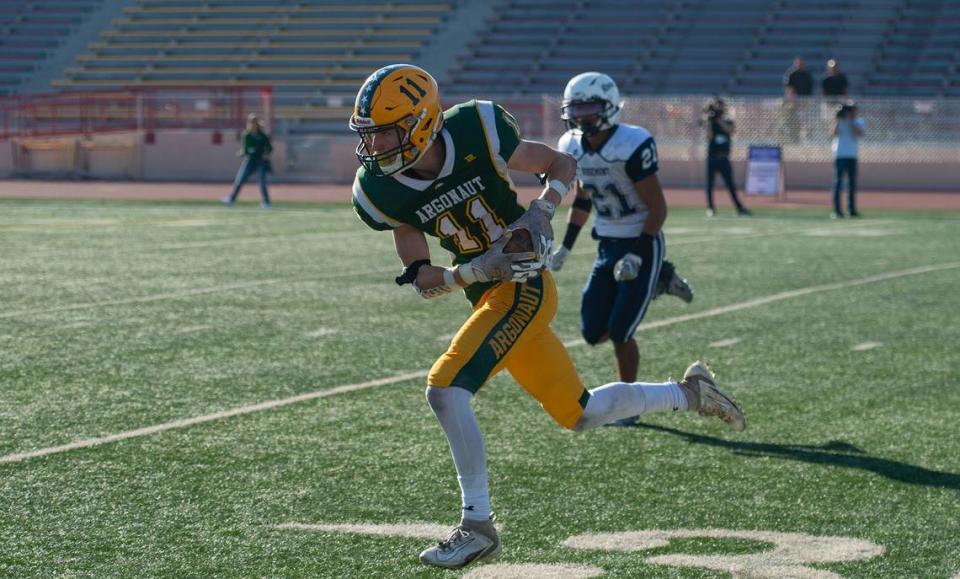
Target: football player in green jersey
<point>446,174</point>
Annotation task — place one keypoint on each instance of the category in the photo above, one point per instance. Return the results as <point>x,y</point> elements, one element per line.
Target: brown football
<point>520,242</point>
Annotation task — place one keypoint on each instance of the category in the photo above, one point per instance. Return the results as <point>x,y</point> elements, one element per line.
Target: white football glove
<point>528,265</point>
<point>495,265</point>
<point>628,267</point>
<point>537,221</point>
<point>558,258</point>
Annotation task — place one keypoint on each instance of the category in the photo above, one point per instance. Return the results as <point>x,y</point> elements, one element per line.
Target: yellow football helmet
<point>402,99</point>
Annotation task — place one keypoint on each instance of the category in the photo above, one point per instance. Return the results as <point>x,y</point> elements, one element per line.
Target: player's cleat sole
<point>469,542</point>
<point>699,383</point>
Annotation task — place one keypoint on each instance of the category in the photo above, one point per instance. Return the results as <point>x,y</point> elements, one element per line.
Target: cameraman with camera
<point>719,130</point>
<point>847,130</point>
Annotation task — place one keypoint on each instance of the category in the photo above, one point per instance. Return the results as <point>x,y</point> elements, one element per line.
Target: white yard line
<point>183,423</point>
<point>866,346</point>
<point>724,343</point>
<point>799,292</point>
<point>143,299</point>
<point>19,457</point>
<point>230,287</point>
<point>191,329</point>
<point>189,293</point>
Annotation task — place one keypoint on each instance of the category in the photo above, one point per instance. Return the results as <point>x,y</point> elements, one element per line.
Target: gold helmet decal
<point>397,114</point>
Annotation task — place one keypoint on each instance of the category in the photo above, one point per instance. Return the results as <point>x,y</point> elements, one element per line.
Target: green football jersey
<point>470,203</point>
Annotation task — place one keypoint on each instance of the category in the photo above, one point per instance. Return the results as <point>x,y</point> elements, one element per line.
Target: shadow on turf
<point>834,453</point>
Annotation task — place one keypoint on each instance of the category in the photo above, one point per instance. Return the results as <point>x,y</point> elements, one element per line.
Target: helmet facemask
<point>588,116</point>
<point>395,159</point>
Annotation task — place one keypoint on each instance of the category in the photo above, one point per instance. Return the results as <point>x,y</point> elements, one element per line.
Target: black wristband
<point>570,237</point>
<point>409,273</point>
<point>644,246</point>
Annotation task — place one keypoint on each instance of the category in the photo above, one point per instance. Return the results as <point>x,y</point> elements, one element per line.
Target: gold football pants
<point>510,328</point>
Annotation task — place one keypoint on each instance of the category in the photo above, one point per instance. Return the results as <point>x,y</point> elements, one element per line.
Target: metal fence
<point>898,131</point>
<point>143,110</point>
<point>318,146</point>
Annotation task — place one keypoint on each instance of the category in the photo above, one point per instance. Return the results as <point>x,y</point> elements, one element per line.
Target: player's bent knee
<point>594,338</point>
<point>433,399</point>
<point>441,398</point>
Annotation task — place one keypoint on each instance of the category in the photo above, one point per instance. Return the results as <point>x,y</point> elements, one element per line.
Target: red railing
<point>142,109</point>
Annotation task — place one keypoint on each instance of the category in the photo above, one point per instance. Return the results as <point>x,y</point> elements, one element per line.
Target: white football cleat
<point>469,542</point>
<point>699,384</point>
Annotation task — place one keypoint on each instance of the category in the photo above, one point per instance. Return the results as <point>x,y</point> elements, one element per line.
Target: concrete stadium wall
<point>192,156</point>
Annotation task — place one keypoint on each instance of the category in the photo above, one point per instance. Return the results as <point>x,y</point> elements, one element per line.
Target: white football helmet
<point>591,103</point>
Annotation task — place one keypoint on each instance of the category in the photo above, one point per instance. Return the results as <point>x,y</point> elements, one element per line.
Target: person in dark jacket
<point>256,157</point>
<point>720,129</point>
<point>797,81</point>
<point>834,83</point>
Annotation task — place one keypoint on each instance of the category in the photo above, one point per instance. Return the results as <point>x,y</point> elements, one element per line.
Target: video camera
<point>714,108</point>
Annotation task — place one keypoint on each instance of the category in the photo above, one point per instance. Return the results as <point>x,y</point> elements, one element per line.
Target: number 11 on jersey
<point>477,212</point>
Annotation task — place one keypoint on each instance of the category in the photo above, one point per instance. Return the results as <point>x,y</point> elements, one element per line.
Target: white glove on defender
<point>628,267</point>
<point>558,258</point>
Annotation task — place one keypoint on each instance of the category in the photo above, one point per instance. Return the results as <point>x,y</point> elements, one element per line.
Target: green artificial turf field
<point>840,339</point>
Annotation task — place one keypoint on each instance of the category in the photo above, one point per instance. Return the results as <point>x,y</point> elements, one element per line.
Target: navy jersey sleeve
<point>643,162</point>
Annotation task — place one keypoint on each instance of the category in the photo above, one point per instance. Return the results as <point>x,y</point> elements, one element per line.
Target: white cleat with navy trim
<point>469,542</point>
<point>704,397</point>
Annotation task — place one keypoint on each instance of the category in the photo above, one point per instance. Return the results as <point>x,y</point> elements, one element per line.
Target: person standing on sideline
<point>256,152</point>
<point>797,86</point>
<point>797,81</point>
<point>835,83</point>
<point>720,128</point>
<point>847,130</point>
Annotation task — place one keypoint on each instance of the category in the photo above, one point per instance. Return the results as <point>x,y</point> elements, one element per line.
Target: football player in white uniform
<point>617,174</point>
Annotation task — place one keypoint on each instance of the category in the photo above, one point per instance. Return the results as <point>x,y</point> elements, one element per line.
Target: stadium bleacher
<point>307,44</point>
<point>318,52</point>
<point>739,47</point>
<point>30,31</point>
<point>310,47</point>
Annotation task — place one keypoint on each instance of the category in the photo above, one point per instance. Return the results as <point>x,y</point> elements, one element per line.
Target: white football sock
<point>452,409</point>
<point>622,400</point>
